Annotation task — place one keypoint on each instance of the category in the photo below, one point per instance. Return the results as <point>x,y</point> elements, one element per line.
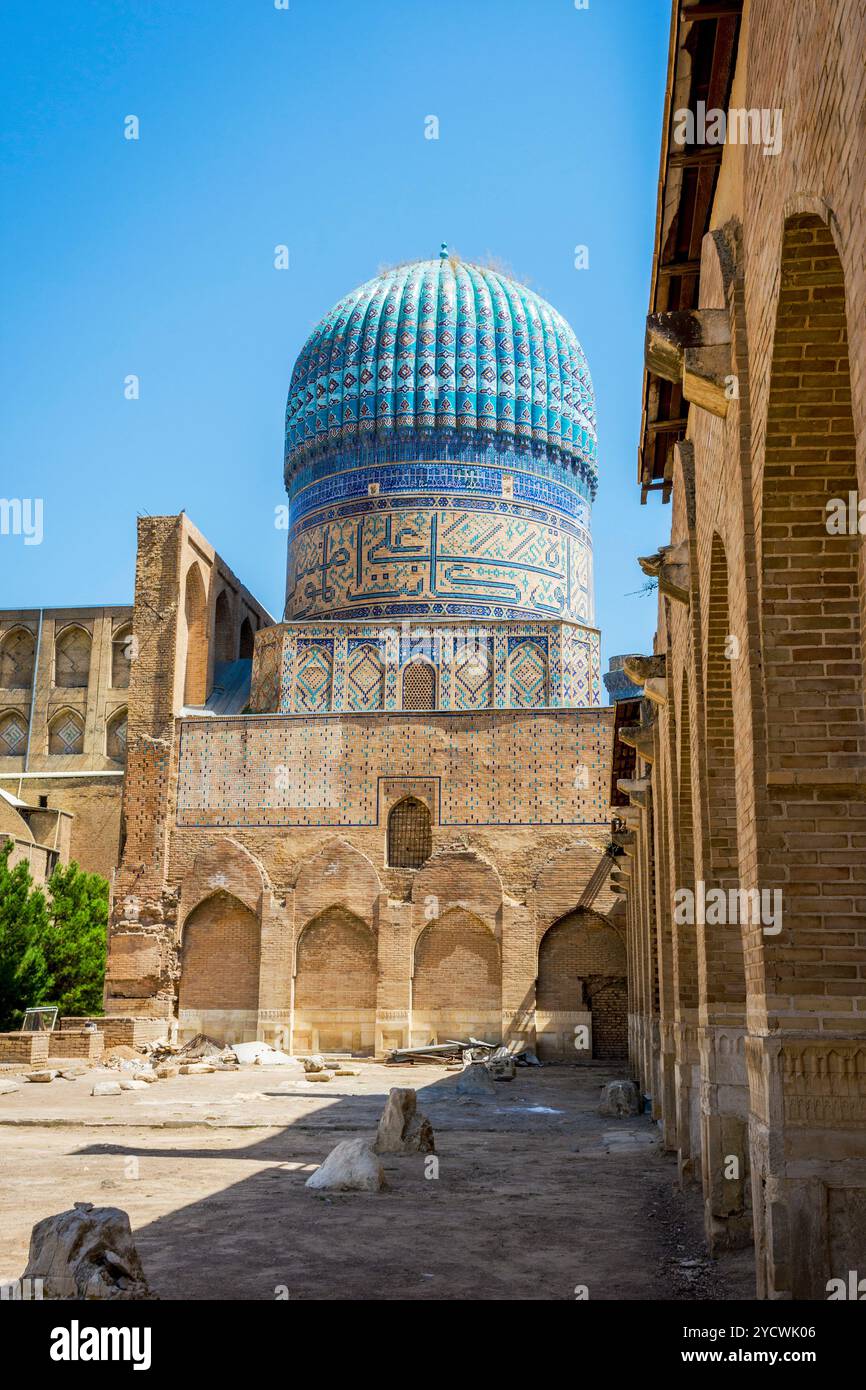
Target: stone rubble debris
<point>350,1167</point>
<point>313,1064</point>
<point>619,1098</point>
<point>86,1253</point>
<point>260,1054</point>
<point>475,1081</point>
<point>403,1128</point>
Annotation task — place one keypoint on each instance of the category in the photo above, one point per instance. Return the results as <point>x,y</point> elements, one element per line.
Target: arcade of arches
<point>324,972</point>
<point>744,878</point>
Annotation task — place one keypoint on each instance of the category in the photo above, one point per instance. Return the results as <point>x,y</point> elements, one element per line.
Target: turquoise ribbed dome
<point>443,353</point>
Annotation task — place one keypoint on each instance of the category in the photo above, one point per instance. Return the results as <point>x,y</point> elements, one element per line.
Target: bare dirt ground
<point>536,1194</point>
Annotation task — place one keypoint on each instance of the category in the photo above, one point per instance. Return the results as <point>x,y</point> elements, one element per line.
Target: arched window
<point>410,840</point>
<point>247,641</point>
<point>121,657</point>
<point>13,735</point>
<point>223,629</point>
<point>66,733</point>
<point>419,686</point>
<point>72,658</point>
<point>115,736</point>
<point>17,653</point>
<point>195,608</point>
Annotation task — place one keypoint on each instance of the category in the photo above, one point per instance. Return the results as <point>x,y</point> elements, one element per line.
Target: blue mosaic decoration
<point>441,453</point>
<point>443,345</point>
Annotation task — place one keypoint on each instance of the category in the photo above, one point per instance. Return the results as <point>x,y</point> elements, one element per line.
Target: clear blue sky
<point>261,126</point>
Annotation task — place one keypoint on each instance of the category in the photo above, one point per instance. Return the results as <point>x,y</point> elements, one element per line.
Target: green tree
<point>24,974</point>
<point>74,940</point>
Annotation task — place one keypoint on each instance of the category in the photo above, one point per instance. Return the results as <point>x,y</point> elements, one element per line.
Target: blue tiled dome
<point>441,354</point>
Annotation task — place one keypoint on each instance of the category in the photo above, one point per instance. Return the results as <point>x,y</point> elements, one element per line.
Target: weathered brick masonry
<point>752,1035</point>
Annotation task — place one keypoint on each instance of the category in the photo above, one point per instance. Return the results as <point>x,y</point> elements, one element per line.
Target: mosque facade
<point>385,819</point>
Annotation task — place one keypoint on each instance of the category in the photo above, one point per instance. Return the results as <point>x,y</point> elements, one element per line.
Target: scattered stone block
<point>501,1068</point>
<point>475,1081</point>
<point>351,1167</point>
<point>42,1076</point>
<point>166,1070</point>
<point>403,1128</point>
<point>313,1064</point>
<point>196,1069</point>
<point>7,1087</point>
<point>345,1071</point>
<point>105,1088</point>
<point>619,1098</point>
<point>131,1083</point>
<point>86,1253</point>
<point>318,1076</point>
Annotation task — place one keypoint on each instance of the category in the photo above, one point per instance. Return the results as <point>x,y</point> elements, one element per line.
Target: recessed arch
<point>410,834</point>
<point>419,685</point>
<point>195,613</point>
<point>810,599</point>
<point>72,647</point>
<point>336,978</point>
<point>457,978</point>
<point>13,734</point>
<point>17,655</point>
<point>220,960</point>
<point>581,957</point>
<point>527,675</point>
<point>66,733</point>
<point>246,642</point>
<point>122,647</point>
<point>115,735</point>
<point>223,628</point>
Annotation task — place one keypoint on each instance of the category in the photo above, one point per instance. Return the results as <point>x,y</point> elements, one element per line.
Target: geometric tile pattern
<point>473,675</point>
<point>327,771</point>
<point>327,667</point>
<point>66,734</point>
<point>313,679</point>
<point>527,675</point>
<point>366,678</point>
<point>13,736</point>
<point>446,345</point>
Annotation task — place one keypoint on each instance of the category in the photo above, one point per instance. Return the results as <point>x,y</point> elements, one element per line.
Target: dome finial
<point>443,251</point>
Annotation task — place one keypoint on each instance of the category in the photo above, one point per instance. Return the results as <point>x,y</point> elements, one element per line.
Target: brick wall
<point>457,966</point>
<point>571,950</point>
<point>76,1043</point>
<point>220,956</point>
<point>30,1048</point>
<point>336,964</point>
<point>609,1002</point>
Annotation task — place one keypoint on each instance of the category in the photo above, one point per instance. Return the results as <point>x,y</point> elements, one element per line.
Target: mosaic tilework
<point>366,678</point>
<point>388,557</point>
<point>492,768</point>
<point>533,482</point>
<point>473,675</point>
<point>267,660</point>
<point>527,673</point>
<point>476,664</point>
<point>313,677</point>
<point>446,346</point>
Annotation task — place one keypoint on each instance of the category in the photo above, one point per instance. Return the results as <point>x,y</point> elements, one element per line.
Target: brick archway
<point>457,979</point>
<point>220,960</point>
<point>336,976</point>
<point>578,957</point>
